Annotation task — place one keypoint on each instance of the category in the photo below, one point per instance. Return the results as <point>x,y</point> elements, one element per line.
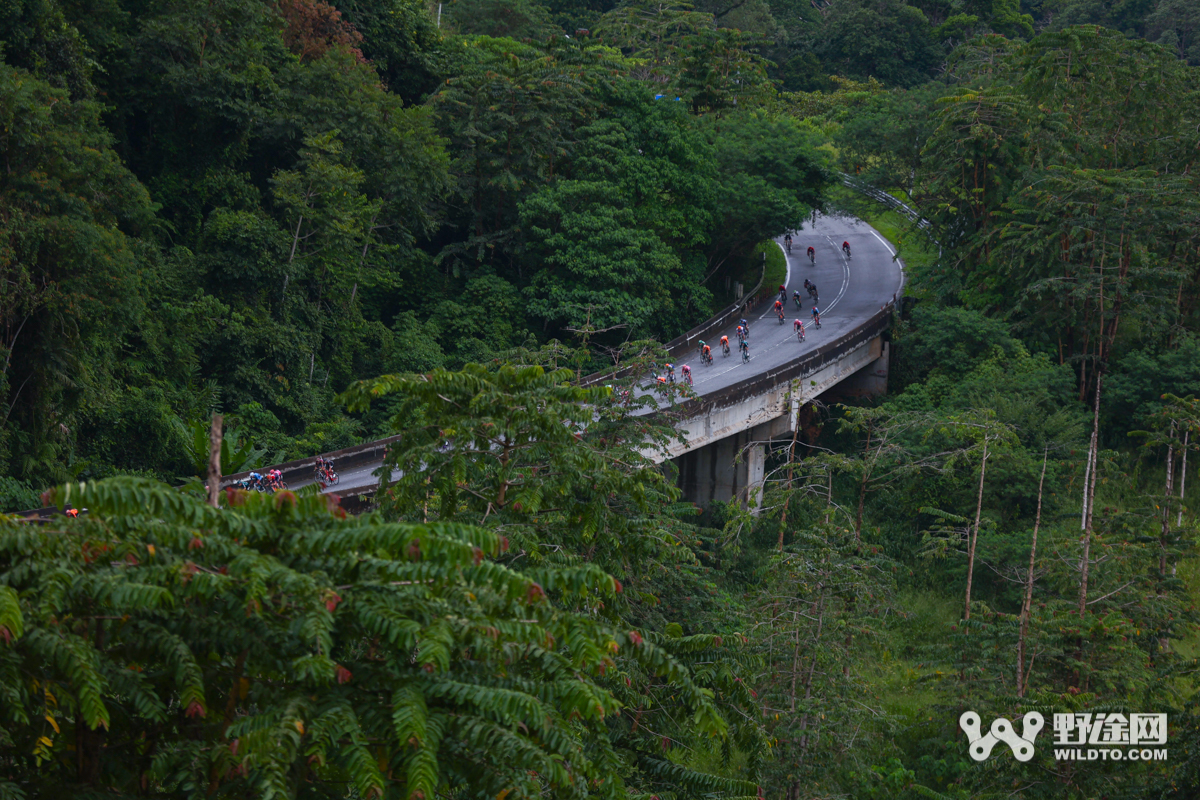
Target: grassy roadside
<point>915,249</point>
<point>752,268</point>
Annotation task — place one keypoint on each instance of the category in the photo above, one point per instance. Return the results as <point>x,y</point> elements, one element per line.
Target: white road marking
<point>885,244</point>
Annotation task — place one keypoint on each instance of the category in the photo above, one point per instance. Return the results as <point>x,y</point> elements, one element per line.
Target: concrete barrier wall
<point>682,345</point>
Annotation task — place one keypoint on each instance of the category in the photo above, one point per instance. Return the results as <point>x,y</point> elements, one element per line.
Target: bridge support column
<point>732,468</point>
<point>869,381</point>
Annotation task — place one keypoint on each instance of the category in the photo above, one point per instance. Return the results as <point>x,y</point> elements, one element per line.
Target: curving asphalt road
<point>850,290</point>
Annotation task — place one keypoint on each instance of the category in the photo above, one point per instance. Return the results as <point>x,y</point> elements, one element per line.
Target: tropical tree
<point>276,643</point>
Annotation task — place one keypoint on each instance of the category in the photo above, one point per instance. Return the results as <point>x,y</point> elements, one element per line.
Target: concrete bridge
<point>742,407</point>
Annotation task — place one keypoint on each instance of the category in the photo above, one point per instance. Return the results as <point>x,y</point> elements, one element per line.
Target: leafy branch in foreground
<point>277,647</point>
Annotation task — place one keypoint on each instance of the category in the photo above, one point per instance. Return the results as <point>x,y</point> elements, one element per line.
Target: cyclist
<point>812,291</point>
<point>846,248</point>
<point>670,372</point>
<point>798,327</point>
<point>701,346</point>
<point>816,315</point>
<point>812,254</point>
<point>796,297</point>
<point>745,326</point>
<point>782,292</point>
<point>778,305</point>
<point>741,334</point>
<point>256,481</point>
<point>745,348</point>
<point>706,354</point>
<point>725,345</point>
<point>787,240</point>
<point>687,374</point>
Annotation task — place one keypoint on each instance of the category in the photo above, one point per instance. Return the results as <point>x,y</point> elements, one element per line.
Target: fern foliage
<point>277,648</point>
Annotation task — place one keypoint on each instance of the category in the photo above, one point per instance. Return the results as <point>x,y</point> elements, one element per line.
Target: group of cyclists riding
<point>798,326</point>
<point>812,252</point>
<point>743,327</point>
<point>273,480</point>
<point>257,482</point>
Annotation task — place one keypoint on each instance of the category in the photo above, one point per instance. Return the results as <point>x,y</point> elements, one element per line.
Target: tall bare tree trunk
<point>791,465</point>
<point>1089,498</point>
<point>862,486</point>
<point>287,275</point>
<point>1168,491</point>
<point>975,530</point>
<point>1183,476</point>
<point>214,459</point>
<point>1027,606</point>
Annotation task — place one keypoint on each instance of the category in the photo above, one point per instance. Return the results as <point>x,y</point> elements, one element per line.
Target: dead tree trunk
<point>1089,497</point>
<point>1027,606</point>
<point>214,459</point>
<point>975,530</point>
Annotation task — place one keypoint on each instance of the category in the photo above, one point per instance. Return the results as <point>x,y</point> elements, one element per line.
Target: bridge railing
<point>684,344</point>
<point>810,362</point>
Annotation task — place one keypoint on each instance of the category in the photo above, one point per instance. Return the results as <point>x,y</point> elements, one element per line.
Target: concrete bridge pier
<point>732,468</point>
<point>724,457</point>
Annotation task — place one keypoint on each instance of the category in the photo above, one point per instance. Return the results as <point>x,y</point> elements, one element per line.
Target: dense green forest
<point>338,221</point>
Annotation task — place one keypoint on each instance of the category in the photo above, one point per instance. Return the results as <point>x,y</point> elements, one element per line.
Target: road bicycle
<point>800,334</point>
<point>796,297</point>
<point>707,357</point>
<point>745,355</point>
<point>687,378</point>
<point>781,317</point>
<point>724,349</point>
<point>812,292</point>
<point>817,321</point>
<point>812,257</point>
<point>846,250</point>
